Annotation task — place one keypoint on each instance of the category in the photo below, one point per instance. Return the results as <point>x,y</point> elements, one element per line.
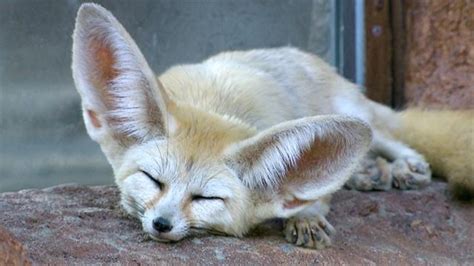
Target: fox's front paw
<point>313,232</point>
<point>410,173</point>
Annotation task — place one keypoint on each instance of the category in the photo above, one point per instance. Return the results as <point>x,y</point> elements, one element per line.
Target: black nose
<point>162,225</point>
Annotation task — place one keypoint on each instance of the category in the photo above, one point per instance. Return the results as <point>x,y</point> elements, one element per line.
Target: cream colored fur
<point>225,144</point>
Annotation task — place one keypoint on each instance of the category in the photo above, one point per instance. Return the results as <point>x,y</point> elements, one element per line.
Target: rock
<point>79,224</point>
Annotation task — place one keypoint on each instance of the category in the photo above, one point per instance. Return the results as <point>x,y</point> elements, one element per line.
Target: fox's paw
<point>313,232</point>
<point>410,173</point>
<point>372,174</point>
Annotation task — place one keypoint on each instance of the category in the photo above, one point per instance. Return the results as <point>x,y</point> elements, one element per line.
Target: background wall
<point>42,138</point>
<point>439,67</point>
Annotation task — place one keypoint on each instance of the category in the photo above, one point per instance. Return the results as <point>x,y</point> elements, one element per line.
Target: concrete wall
<point>43,141</point>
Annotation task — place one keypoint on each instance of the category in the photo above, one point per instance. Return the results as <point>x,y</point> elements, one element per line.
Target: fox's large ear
<point>297,162</point>
<point>121,97</point>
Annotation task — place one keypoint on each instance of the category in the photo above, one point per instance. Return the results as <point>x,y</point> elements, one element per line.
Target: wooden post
<point>378,51</point>
<point>398,47</point>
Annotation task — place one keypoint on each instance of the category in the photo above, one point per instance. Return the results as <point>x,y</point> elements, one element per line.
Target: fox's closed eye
<point>200,197</point>
<point>156,181</point>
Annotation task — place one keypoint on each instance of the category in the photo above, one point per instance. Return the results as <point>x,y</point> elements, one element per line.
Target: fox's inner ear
<point>120,94</point>
<point>300,161</point>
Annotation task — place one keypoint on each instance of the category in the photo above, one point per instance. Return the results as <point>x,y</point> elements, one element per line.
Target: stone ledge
<point>79,224</point>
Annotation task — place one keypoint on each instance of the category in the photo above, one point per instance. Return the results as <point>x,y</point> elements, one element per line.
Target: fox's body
<point>222,145</point>
<point>262,88</point>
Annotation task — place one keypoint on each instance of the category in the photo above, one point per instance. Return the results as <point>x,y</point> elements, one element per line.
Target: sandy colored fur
<point>446,139</point>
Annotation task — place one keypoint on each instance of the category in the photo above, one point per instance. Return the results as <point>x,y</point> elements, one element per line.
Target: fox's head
<point>182,170</point>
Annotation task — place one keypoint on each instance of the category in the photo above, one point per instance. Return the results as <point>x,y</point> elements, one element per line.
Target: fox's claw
<point>314,232</point>
<point>410,173</point>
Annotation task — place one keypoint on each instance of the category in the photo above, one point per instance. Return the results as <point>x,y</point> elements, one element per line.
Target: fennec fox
<point>220,146</point>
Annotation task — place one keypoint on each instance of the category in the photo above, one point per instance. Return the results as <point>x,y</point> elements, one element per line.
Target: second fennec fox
<point>223,145</point>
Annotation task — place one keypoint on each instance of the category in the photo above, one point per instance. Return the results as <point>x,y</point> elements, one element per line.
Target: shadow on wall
<point>43,141</point>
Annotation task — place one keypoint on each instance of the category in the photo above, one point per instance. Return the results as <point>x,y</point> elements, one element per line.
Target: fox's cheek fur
<point>229,217</point>
<point>136,192</point>
<point>229,213</point>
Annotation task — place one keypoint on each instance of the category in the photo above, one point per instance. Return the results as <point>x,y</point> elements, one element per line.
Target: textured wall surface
<point>440,53</point>
<point>42,138</point>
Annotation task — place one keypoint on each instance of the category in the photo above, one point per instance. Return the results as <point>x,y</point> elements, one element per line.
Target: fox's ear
<point>295,163</point>
<point>121,97</point>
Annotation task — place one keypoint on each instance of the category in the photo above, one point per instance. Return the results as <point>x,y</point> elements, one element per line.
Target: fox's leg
<point>309,228</point>
<point>409,168</point>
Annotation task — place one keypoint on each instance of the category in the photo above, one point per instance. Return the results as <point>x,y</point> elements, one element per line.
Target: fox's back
<point>260,87</point>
